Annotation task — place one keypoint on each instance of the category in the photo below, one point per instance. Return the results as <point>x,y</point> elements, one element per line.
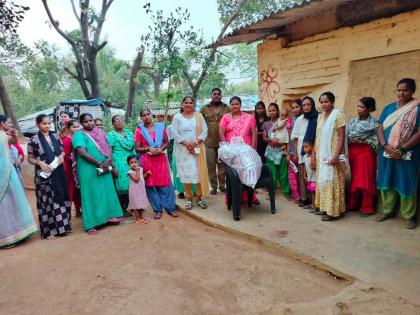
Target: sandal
<point>92,232</point>
<point>202,204</point>
<point>173,214</point>
<point>143,221</point>
<point>115,220</point>
<point>327,217</point>
<point>188,205</point>
<point>157,215</point>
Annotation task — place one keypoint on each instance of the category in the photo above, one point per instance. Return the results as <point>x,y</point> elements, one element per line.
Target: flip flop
<point>157,215</point>
<point>115,220</point>
<point>173,214</point>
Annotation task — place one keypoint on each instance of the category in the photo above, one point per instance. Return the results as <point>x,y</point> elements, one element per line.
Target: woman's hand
<point>395,154</point>
<point>334,160</point>
<point>60,158</point>
<point>45,167</point>
<point>287,157</point>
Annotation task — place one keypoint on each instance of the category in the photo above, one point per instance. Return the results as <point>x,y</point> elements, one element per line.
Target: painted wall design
<point>268,84</point>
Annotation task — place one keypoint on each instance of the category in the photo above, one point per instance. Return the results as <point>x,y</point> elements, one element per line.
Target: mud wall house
<point>353,48</point>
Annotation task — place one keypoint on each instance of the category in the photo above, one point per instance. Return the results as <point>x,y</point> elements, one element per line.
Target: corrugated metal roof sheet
<point>277,20</point>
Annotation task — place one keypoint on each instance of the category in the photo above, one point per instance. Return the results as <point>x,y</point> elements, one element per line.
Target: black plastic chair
<point>234,189</point>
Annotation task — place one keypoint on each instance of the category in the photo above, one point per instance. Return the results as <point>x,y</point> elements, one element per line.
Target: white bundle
<point>243,158</point>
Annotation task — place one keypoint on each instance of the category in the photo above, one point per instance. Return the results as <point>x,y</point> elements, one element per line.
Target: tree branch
<point>105,6</point>
<point>73,6</point>
<point>210,59</point>
<point>71,73</point>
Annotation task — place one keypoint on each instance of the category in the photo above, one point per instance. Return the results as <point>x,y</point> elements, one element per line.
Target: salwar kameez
<point>159,188</point>
<point>398,178</point>
<point>292,174</point>
<point>330,196</point>
<point>54,214</point>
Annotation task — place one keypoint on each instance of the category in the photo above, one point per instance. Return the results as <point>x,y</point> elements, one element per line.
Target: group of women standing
<point>394,141</point>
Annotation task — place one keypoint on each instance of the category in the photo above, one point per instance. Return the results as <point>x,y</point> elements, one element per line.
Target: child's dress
<point>310,173</point>
<point>137,192</point>
<point>280,133</point>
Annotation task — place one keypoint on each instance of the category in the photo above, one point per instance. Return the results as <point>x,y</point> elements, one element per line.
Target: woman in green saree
<point>121,141</point>
<point>99,199</point>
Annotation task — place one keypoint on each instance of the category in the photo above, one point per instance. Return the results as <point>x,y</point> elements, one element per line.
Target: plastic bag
<point>243,158</point>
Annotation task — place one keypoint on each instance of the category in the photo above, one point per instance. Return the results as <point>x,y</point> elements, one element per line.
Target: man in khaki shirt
<point>212,114</point>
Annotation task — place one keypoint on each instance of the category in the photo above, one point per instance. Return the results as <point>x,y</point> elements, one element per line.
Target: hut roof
<point>310,17</point>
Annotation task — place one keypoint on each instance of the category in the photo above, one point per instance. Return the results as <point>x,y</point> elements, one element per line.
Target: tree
<point>207,62</point>
<point>252,11</point>
<point>85,43</point>
<point>11,15</point>
<point>135,68</point>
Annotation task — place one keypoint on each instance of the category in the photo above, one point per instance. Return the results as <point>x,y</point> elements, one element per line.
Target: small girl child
<point>137,191</point>
<point>310,174</point>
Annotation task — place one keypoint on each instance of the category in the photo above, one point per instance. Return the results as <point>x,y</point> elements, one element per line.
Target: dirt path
<point>173,266</point>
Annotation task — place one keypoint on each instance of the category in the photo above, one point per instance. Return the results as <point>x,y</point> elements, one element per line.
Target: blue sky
<point>126,21</point>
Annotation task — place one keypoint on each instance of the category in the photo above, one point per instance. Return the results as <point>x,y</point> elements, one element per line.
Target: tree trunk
<point>94,77</point>
<point>156,86</point>
<point>132,85</point>
<point>195,92</point>
<point>7,105</point>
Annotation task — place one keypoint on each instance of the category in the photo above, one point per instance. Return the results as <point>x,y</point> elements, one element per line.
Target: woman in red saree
<point>363,142</point>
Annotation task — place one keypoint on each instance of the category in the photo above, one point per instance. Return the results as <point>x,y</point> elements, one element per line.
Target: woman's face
<point>326,104</point>
<point>404,94</point>
<point>99,124</point>
<point>65,118</point>
<point>118,122</point>
<point>235,106</point>
<point>362,111</point>
<point>188,105</point>
<point>74,127</point>
<point>296,109</point>
<point>260,110</point>
<point>146,117</point>
<point>88,123</point>
<point>7,125</point>
<point>272,112</point>
<point>45,125</point>
<point>306,106</point>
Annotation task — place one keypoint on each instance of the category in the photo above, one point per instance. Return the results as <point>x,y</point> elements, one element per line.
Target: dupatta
<point>98,137</point>
<point>403,123</point>
<point>201,158</point>
<point>326,171</point>
<point>159,129</point>
<point>5,164</point>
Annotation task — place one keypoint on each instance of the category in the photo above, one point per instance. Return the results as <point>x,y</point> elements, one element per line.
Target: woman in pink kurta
<point>151,140</point>
<point>239,124</point>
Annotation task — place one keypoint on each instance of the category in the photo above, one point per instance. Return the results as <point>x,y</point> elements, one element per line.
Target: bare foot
<point>143,220</point>
<point>51,237</point>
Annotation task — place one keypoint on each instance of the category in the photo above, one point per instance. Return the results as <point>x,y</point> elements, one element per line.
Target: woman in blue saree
<point>16,219</point>
<point>399,157</point>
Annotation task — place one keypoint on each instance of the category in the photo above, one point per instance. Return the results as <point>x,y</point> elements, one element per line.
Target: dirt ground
<point>173,266</point>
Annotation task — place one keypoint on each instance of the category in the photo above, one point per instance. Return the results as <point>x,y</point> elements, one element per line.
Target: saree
<point>99,198</point>
<point>16,219</point>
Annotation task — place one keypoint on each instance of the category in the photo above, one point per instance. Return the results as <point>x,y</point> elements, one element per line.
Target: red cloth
<point>68,169</point>
<point>362,160</point>
<point>362,190</point>
<point>157,164</point>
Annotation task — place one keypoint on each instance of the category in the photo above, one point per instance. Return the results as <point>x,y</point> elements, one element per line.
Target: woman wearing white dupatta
<point>329,144</point>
